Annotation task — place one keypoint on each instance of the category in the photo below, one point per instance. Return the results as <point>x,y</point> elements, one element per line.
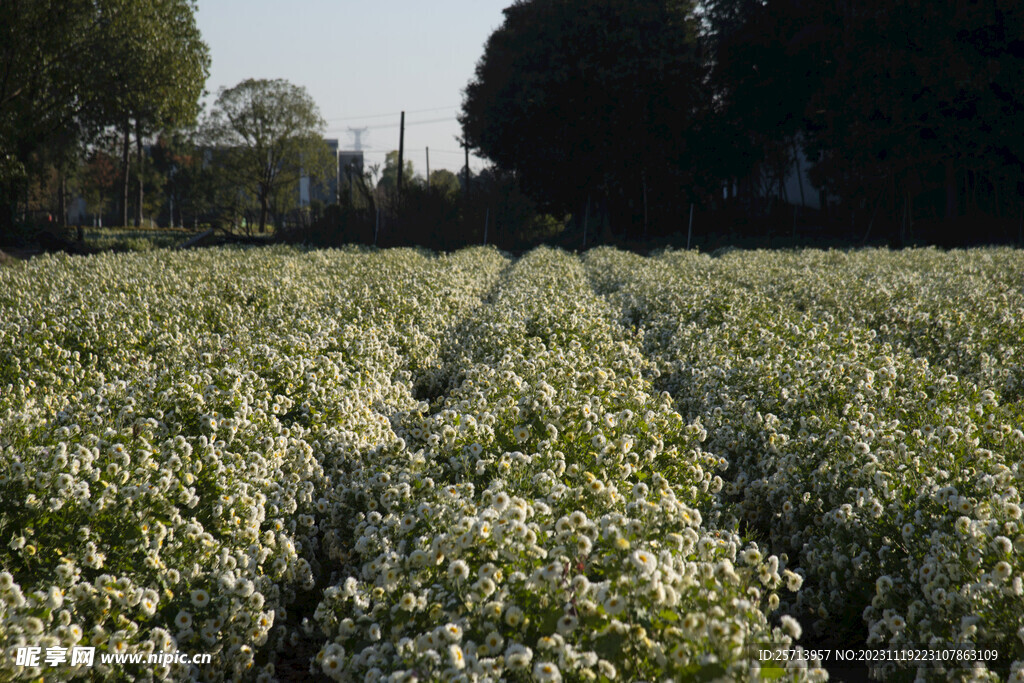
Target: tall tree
<point>894,101</point>
<point>71,68</point>
<point>919,94</point>
<point>580,97</point>
<point>47,79</point>
<point>269,135</point>
<point>763,78</point>
<point>445,183</point>
<point>157,64</point>
<point>99,176</point>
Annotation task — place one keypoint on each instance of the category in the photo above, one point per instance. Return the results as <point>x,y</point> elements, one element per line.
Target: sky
<point>362,62</point>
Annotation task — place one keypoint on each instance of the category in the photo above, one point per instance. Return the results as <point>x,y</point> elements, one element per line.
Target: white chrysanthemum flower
<point>791,626</point>
<point>614,605</point>
<point>752,556</point>
<point>183,620</point>
<point>200,598</point>
<point>547,672</point>
<point>494,641</point>
<point>458,570</point>
<point>514,616</point>
<point>453,632</point>
<point>1003,545</point>
<point>456,658</point>
<point>331,665</point>
<point>896,623</point>
<point>644,561</point>
<point>518,656</point>
<point>567,623</point>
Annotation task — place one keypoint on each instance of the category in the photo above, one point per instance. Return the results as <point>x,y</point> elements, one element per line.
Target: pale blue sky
<point>359,60</point>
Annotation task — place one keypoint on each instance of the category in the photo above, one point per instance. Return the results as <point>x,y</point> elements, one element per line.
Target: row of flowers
<point>163,423</point>
<point>548,513</point>
<point>870,455</point>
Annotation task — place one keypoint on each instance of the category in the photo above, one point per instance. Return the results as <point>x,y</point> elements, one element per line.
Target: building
<point>347,164</point>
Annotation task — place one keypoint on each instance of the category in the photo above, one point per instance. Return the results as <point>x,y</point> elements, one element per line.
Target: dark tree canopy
<point>389,175</point>
<point>47,54</point>
<point>896,103</point>
<point>584,98</point>
<point>902,111</point>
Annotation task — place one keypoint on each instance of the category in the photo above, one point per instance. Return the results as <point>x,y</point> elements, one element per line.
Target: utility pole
<point>487,219</point>
<point>428,168</point>
<point>401,153</point>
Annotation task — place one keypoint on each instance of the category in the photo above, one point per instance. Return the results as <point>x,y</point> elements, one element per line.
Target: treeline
<point>85,86</point>
<point>446,213</point>
<point>636,121</point>
<point>897,120</point>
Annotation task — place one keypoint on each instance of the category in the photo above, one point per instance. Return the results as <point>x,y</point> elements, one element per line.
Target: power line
<point>382,116</point>
<point>384,151</point>
<point>412,123</point>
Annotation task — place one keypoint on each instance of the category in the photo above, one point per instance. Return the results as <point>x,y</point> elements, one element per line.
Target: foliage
<point>445,182</point>
<point>156,64</point>
<point>389,175</point>
<point>895,104</point>
<point>899,114</point>
<point>268,134</point>
<point>512,219</point>
<point>99,176</point>
<point>133,239</point>
<point>597,99</point>
<point>190,183</point>
<point>45,43</point>
<point>46,60</point>
<point>72,69</point>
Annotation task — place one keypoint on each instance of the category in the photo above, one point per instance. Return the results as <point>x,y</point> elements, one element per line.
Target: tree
<point>445,183</point>
<point>893,101</point>
<point>919,99</point>
<point>389,176</point>
<point>156,64</point>
<point>763,76</point>
<point>269,134</point>
<point>591,97</point>
<point>189,185</point>
<point>73,68</point>
<point>47,51</point>
<point>99,175</point>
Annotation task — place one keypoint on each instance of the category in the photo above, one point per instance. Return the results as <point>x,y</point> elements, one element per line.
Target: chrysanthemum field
<point>479,468</point>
